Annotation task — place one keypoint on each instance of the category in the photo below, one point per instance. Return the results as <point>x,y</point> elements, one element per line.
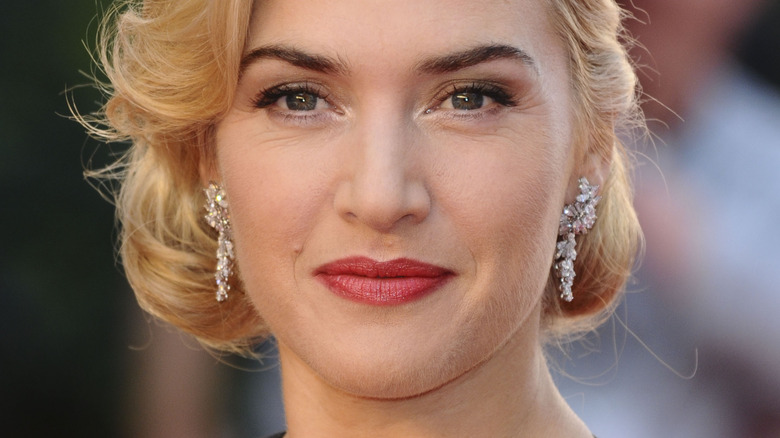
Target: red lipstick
<point>369,281</point>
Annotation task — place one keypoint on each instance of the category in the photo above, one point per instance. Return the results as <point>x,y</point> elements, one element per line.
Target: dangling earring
<point>577,218</point>
<point>217,217</point>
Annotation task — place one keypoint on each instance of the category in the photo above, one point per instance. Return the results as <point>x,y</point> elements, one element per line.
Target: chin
<point>393,379</point>
<point>390,370</point>
<point>406,351</point>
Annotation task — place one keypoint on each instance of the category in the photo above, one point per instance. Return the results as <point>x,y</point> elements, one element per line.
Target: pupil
<point>467,101</point>
<point>301,101</point>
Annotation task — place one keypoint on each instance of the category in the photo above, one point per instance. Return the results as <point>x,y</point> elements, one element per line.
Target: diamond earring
<point>218,218</point>
<point>576,219</point>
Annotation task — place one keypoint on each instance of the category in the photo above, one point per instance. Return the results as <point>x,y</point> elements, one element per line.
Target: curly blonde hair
<point>173,67</point>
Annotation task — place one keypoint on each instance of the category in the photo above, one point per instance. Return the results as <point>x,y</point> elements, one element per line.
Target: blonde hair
<point>173,67</point>
<point>606,97</point>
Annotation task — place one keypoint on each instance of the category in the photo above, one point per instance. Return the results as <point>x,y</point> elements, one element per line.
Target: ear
<point>207,169</point>
<point>594,164</point>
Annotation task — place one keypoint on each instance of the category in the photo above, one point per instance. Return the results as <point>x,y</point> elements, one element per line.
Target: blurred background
<point>694,351</point>
<point>80,359</point>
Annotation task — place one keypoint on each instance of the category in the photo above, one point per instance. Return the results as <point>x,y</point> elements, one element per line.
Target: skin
<point>384,166</point>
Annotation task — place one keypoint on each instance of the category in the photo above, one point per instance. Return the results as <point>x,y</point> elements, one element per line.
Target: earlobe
<point>598,166</point>
<point>207,171</point>
<point>594,165</point>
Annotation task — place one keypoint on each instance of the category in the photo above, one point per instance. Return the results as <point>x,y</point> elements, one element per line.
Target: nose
<point>385,184</point>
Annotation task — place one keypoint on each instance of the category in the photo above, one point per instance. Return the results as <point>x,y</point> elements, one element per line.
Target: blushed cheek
<point>513,227</point>
<point>268,242</point>
<point>508,196</point>
<point>256,205</point>
<point>272,214</point>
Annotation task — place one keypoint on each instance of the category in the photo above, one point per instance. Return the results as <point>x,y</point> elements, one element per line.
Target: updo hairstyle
<point>173,67</point>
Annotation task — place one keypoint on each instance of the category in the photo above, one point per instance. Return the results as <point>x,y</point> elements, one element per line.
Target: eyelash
<point>269,96</point>
<point>496,92</point>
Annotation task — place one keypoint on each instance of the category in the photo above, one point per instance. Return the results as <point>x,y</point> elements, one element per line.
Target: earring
<point>577,218</point>
<point>217,217</point>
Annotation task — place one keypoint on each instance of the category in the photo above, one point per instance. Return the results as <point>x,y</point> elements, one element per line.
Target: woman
<point>393,190</point>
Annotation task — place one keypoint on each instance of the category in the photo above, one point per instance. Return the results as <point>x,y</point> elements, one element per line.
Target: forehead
<point>390,33</point>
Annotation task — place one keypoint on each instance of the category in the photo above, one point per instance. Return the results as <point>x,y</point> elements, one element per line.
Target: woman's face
<point>395,172</point>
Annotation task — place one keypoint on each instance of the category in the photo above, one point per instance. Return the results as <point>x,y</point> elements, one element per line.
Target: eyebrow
<point>438,64</point>
<point>476,55</point>
<point>295,57</point>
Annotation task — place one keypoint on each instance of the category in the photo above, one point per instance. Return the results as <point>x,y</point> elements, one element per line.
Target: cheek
<point>505,200</point>
<point>275,198</point>
<point>509,192</point>
<point>265,206</point>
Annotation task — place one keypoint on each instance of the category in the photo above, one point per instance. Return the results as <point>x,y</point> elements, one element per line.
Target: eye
<point>293,98</point>
<point>465,100</point>
<point>302,101</point>
<point>474,96</point>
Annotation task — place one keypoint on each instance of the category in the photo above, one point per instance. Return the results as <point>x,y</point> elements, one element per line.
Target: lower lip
<point>362,280</point>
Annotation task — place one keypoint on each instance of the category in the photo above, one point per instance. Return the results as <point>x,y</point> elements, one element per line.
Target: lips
<point>369,281</point>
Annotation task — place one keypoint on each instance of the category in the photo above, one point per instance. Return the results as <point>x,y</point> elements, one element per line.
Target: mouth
<point>368,281</point>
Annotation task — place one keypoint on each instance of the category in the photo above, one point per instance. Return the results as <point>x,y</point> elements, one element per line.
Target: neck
<point>509,395</point>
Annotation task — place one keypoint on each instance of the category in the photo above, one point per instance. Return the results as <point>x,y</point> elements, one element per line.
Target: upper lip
<point>367,267</point>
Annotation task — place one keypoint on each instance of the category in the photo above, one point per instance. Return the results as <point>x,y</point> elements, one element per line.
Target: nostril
<point>384,175</point>
<point>382,205</point>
